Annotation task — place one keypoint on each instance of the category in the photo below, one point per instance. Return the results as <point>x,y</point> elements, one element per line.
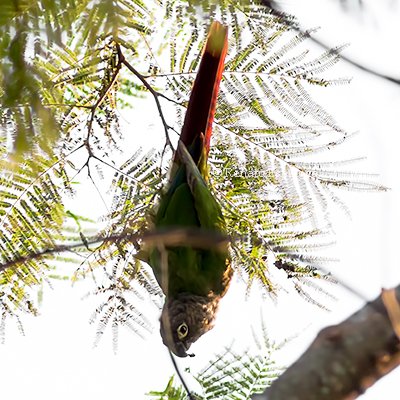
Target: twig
<point>48,105</point>
<point>103,95</point>
<point>154,93</point>
<point>178,372</point>
<point>293,25</point>
<point>197,238</point>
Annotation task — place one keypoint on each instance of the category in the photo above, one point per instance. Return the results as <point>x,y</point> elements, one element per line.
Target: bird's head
<point>184,319</point>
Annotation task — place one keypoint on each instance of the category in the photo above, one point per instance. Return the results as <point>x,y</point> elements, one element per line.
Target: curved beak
<point>180,350</point>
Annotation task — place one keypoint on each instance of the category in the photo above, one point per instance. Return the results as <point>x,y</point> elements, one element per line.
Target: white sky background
<point>55,358</point>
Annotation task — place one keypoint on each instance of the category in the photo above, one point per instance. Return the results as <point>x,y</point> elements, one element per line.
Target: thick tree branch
<point>344,360</point>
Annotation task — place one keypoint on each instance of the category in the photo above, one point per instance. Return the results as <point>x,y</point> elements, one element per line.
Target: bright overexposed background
<point>55,359</point>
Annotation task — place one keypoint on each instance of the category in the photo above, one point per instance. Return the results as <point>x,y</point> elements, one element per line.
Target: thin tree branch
<point>72,105</point>
<point>344,360</point>
<point>197,238</point>
<point>178,372</point>
<point>356,64</point>
<point>107,164</point>
<point>285,19</point>
<point>103,95</point>
<point>154,93</point>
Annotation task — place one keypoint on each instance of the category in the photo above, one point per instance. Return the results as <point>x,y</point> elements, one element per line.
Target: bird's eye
<point>182,331</point>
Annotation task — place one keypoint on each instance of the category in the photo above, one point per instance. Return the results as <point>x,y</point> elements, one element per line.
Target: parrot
<point>193,279</point>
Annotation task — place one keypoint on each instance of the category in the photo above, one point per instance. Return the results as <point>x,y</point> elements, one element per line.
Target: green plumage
<point>188,203</point>
<point>193,278</point>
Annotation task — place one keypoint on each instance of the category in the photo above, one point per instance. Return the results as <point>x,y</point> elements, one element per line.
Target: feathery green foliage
<point>171,392</point>
<point>68,67</point>
<point>229,375</point>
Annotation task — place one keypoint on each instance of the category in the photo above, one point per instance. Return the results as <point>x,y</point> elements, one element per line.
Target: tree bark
<point>344,360</point>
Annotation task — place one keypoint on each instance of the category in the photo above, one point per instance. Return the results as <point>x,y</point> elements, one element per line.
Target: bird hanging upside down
<point>193,279</point>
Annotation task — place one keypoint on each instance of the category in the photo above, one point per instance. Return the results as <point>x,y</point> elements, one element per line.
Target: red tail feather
<point>200,113</point>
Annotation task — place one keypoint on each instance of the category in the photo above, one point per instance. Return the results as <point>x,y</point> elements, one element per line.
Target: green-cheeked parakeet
<point>193,279</point>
